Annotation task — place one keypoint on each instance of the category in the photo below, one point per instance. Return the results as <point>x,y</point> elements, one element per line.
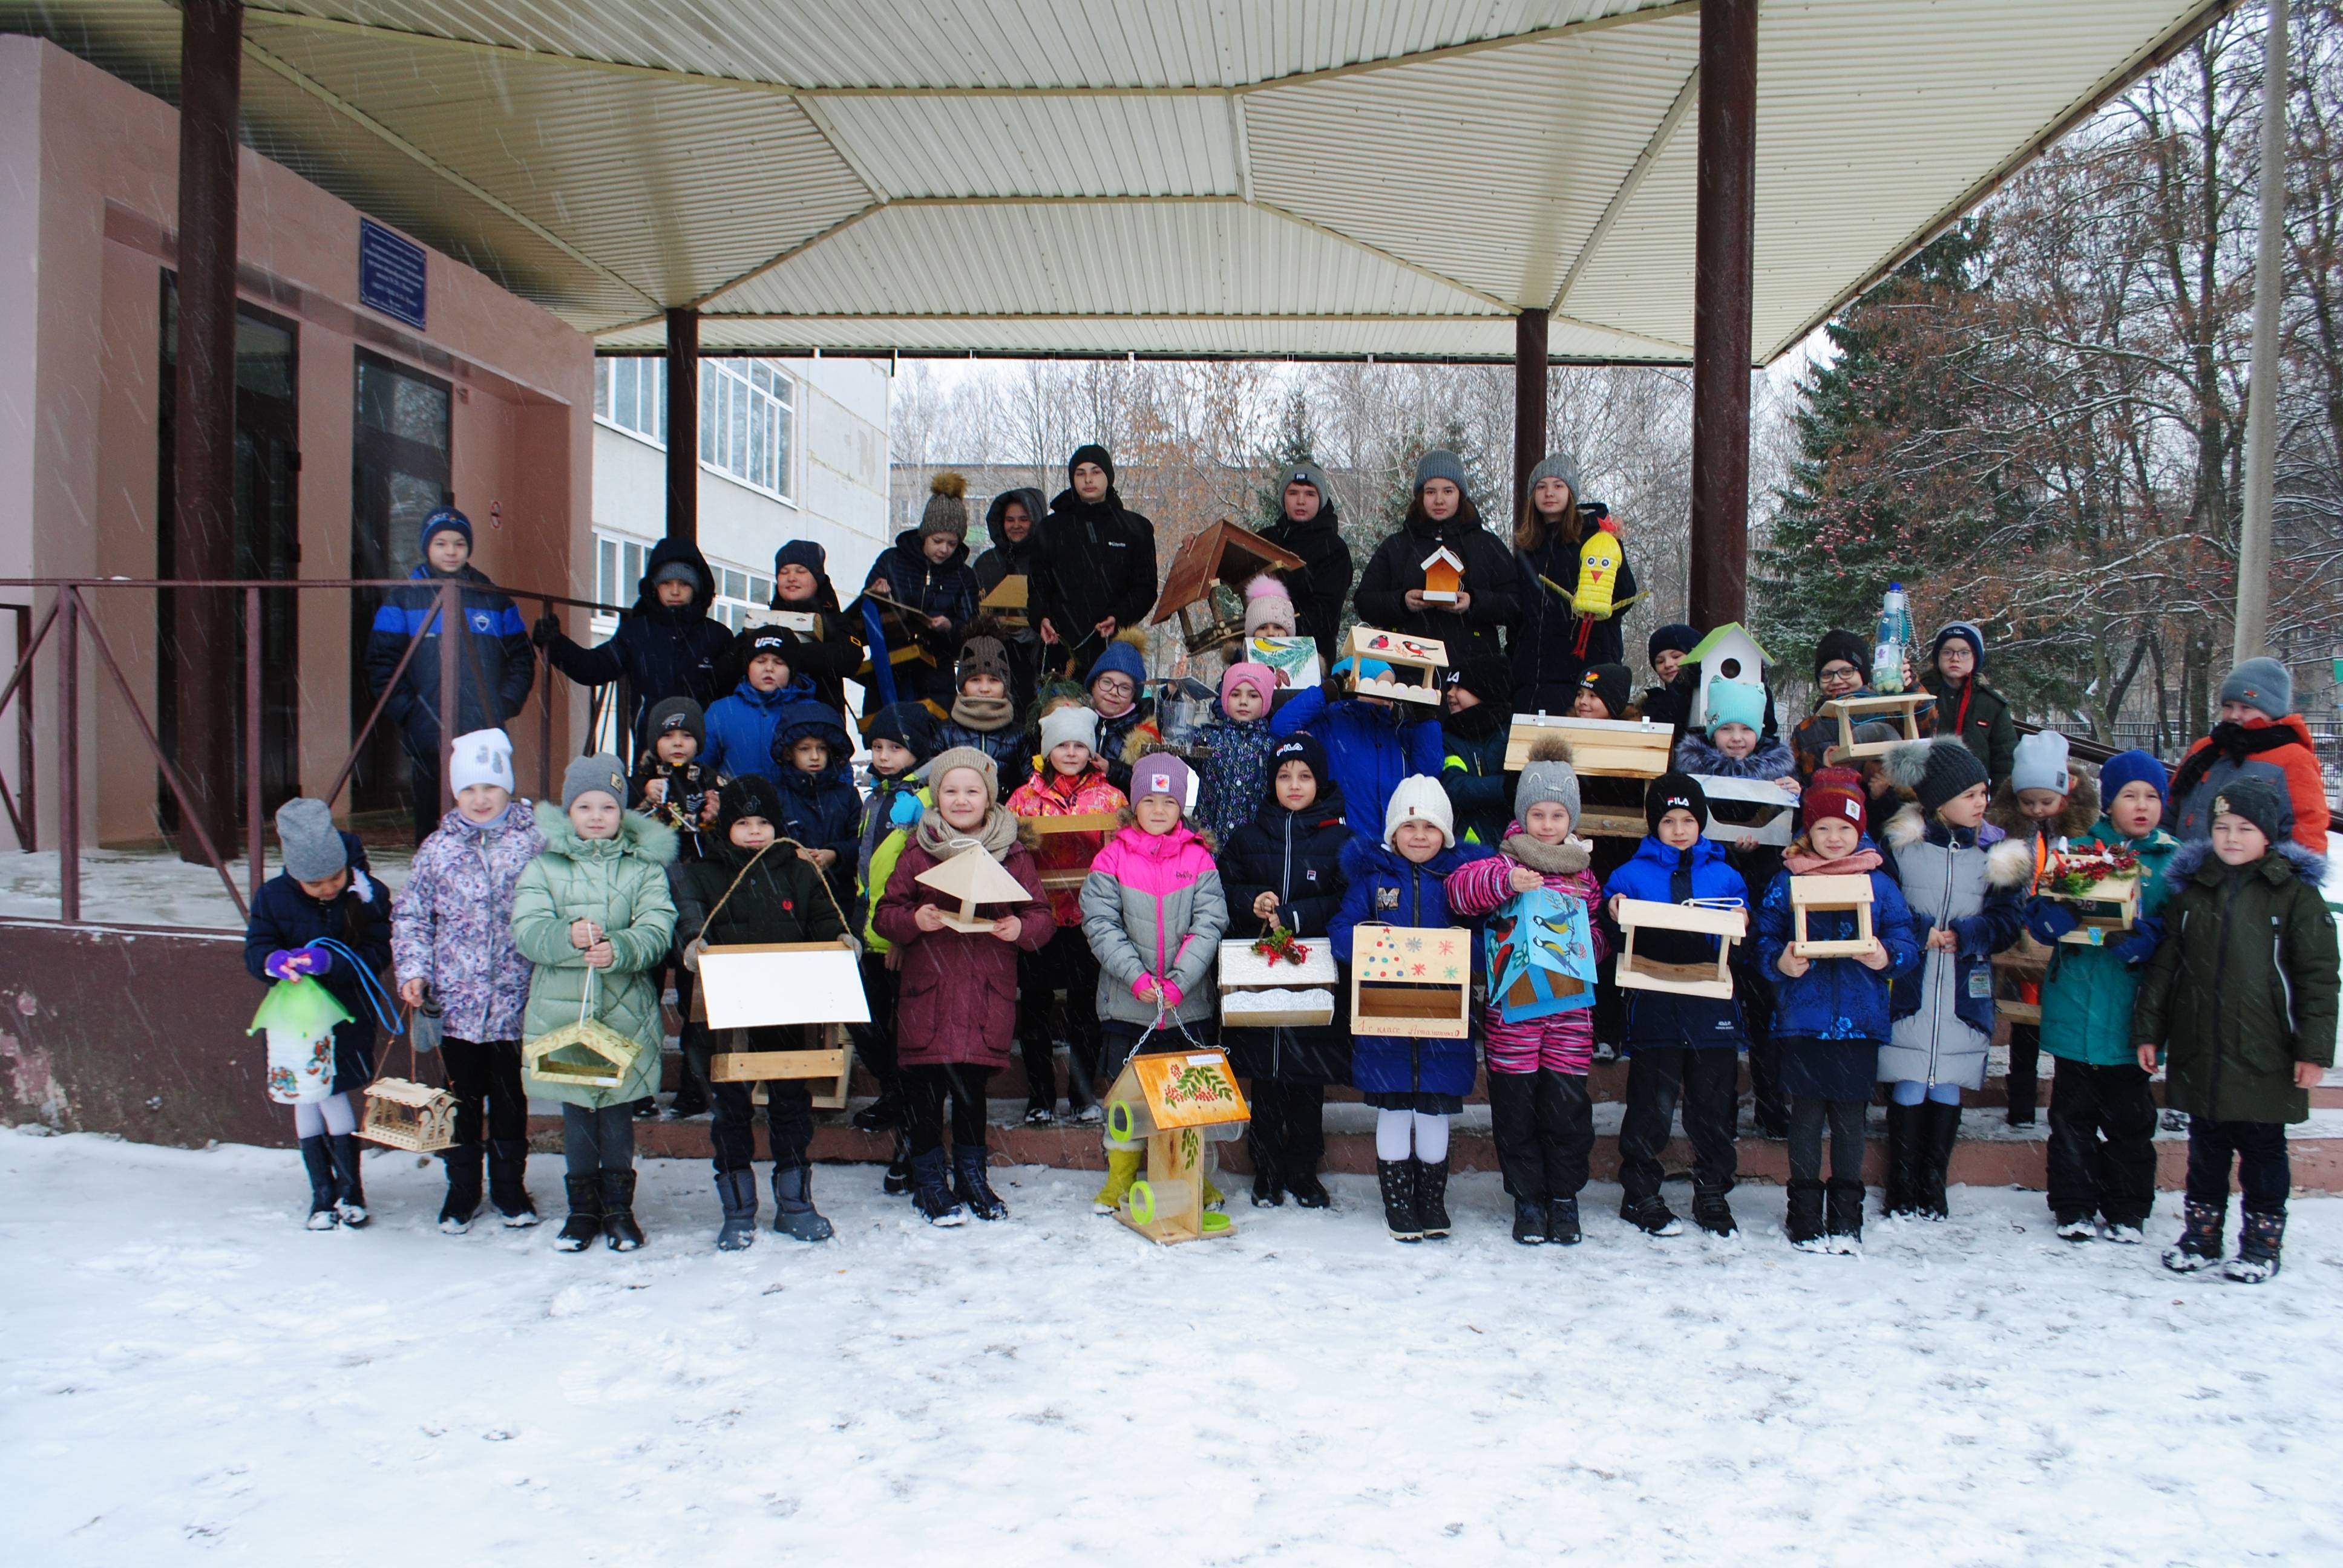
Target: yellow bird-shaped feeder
<point>1600,559</point>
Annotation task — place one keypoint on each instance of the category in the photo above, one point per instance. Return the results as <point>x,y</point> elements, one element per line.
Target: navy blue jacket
<point>284,917</point>
<point>1835,998</point>
<point>1012,758</point>
<point>658,651</point>
<point>1382,886</point>
<point>1369,749</point>
<point>1298,855</point>
<point>740,726</point>
<point>948,591</point>
<point>1664,876</point>
<point>819,811</point>
<point>495,651</point>
<point>1472,772</point>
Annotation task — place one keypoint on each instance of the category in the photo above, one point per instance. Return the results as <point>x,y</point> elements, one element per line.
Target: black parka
<point>1096,559</point>
<point>1491,578</point>
<point>1298,855</point>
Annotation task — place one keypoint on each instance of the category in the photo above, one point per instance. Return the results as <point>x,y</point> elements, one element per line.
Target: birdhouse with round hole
<point>1443,575</point>
<point>1728,653</point>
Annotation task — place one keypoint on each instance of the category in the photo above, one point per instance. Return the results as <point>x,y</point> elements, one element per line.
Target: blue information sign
<point>390,273</point>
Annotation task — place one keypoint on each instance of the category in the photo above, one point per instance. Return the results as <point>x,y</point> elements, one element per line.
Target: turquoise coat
<point>2088,992</point>
<point>620,885</point>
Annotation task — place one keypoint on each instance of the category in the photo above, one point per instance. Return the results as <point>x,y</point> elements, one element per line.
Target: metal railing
<point>70,614</point>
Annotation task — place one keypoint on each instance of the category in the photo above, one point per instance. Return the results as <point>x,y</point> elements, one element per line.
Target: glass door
<point>399,473</point>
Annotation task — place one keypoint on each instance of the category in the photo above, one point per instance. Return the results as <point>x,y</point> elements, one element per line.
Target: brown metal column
<point>683,425</point>
<point>1529,404</point>
<point>211,56</point>
<point>1724,244</point>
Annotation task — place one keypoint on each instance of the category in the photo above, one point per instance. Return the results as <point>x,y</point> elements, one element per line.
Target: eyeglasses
<point>1840,675</point>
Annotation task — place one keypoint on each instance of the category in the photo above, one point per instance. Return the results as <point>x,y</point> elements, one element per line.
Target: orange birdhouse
<point>1444,574</point>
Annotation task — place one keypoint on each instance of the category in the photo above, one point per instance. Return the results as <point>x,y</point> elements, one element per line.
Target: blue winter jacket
<point>661,652</point>
<point>740,726</point>
<point>1384,887</point>
<point>1664,875</point>
<point>1835,998</point>
<point>495,655</point>
<point>285,916</point>
<point>1369,749</point>
<point>819,811</point>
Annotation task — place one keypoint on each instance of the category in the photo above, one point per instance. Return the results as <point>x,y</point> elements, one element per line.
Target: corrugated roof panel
<point>1001,146</point>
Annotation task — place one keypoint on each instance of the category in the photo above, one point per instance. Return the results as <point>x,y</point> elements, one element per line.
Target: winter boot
<point>2122,1232</point>
<point>882,1113</point>
<point>972,1188</point>
<point>1397,1180</point>
<point>463,1200</point>
<point>2257,1249</point>
<point>1842,1225</point>
<point>349,1191</point>
<point>2077,1227</point>
<point>1529,1222</point>
<point>1943,1127</point>
<point>2199,1246</point>
<point>737,1191</point>
<point>898,1180</point>
<point>1713,1214</point>
<point>620,1230</point>
<point>1432,1199</point>
<point>793,1197</point>
<point>509,1181</point>
<point>1804,1221</point>
<point>931,1189</point>
<point>1905,1142</point>
<point>1308,1191</point>
<point>1652,1216</point>
<point>690,1095</point>
<point>585,1221</point>
<point>319,1163</point>
<point>1562,1226</point>
<point>1121,1171</point>
<point>1268,1191</point>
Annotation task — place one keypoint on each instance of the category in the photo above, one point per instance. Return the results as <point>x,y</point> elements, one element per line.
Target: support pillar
<point>211,58</point>
<point>683,425</point>
<point>2252,637</point>
<point>1723,245</point>
<point>1529,404</point>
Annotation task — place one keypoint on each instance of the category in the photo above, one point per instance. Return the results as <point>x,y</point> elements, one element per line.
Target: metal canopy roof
<point>1307,178</point>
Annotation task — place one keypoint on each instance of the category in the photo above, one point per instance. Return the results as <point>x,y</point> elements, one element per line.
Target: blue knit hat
<point>1735,702</point>
<point>444,520</point>
<point>2134,767</point>
<point>1120,658</point>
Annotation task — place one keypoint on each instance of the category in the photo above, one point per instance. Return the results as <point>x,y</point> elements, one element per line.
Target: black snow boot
<point>1397,1180</point>
<point>2199,1246</point>
<point>509,1181</point>
<point>970,1186</point>
<point>1529,1222</point>
<point>619,1227</point>
<point>349,1200</point>
<point>1562,1226</point>
<point>931,1189</point>
<point>1432,1199</point>
<point>1308,1191</point>
<point>1268,1191</point>
<point>882,1113</point>
<point>1943,1127</point>
<point>1652,1216</point>
<point>690,1095</point>
<point>463,1200</point>
<point>1713,1214</point>
<point>793,1197</point>
<point>1804,1221</point>
<point>737,1191</point>
<point>898,1180</point>
<point>2258,1250</point>
<point>319,1163</point>
<point>585,1221</point>
<point>1905,1144</point>
<point>1844,1223</point>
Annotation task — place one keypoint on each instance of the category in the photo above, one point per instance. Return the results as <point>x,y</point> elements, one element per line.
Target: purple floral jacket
<point>452,924</point>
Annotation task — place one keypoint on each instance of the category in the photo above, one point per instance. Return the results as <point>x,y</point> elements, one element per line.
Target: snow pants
<point>1063,963</point>
<point>1543,1125</point>
<point>598,1140</point>
<point>485,1078</point>
<point>2102,1142</point>
<point>925,1090</point>
<point>1287,1133</point>
<point>1708,1077</point>
<point>1844,1119</point>
<point>2258,1148</point>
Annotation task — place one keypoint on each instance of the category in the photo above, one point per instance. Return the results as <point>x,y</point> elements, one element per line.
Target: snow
<point>186,1368</point>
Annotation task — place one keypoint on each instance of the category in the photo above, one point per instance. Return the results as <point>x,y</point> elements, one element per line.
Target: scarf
<point>2231,741</point>
<point>1802,861</point>
<point>1475,723</point>
<point>1572,855</point>
<point>941,840</point>
<point>984,715</point>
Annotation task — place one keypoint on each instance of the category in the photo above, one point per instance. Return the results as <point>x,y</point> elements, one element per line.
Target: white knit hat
<point>1419,798</point>
<point>1068,721</point>
<point>483,757</point>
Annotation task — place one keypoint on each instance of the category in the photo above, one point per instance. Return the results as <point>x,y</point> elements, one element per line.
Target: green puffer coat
<point>620,885</point>
<point>2244,986</point>
<point>2088,992</point>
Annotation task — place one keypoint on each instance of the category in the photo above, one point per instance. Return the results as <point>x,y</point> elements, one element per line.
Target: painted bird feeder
<point>1179,1102</point>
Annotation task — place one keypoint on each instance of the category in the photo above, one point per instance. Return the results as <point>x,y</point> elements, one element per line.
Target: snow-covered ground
<point>186,1374</point>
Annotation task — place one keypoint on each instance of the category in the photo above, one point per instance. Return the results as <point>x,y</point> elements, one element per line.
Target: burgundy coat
<point>959,1000</point>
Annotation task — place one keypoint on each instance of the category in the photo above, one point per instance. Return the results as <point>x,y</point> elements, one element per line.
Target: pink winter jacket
<point>1153,909</point>
<point>1564,1042</point>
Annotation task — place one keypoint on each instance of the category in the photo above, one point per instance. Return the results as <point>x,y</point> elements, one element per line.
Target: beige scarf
<point>941,840</point>
<point>982,714</point>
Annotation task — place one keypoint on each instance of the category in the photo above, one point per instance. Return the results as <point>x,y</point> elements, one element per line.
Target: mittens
<point>294,963</point>
<point>2047,920</point>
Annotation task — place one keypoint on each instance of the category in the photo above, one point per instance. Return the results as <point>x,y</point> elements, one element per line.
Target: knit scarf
<point>1802,861</point>
<point>941,840</point>
<point>982,714</point>
<point>1572,855</point>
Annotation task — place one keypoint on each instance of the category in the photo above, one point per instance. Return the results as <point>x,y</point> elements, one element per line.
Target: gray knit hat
<point>947,511</point>
<point>2260,802</point>
<point>2040,763</point>
<point>1068,721</point>
<point>944,761</point>
<point>599,773</point>
<point>1548,776</point>
<point>1935,772</point>
<point>1439,464</point>
<point>1560,466</point>
<point>1311,475</point>
<point>2263,682</point>
<point>313,848</point>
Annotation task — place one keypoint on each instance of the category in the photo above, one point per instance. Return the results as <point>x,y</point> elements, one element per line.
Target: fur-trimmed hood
<point>2285,858</point>
<point>2080,816</point>
<point>2009,862</point>
<point>1696,755</point>
<point>645,838</point>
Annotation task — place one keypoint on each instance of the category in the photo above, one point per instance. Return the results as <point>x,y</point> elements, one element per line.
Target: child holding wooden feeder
<point>1540,1111</point>
<point>1070,782</point>
<point>1371,743</point>
<point>903,736</point>
<point>1835,943</point>
<point>2043,803</point>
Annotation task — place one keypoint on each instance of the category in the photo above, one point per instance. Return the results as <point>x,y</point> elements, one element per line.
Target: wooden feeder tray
<point>1008,601</point>
<point>1599,748</point>
<point>607,1059</point>
<point>1414,980</point>
<point>1088,822</point>
<point>1828,895</point>
<point>2007,978</point>
<point>2109,904</point>
<point>1425,656</point>
<point>1178,1101</point>
<point>401,1114</point>
<point>831,1063</point>
<point>1851,711</point>
<point>1776,829</point>
<point>1306,989</point>
<point>798,620</point>
<point>761,985</point>
<point>1639,973</point>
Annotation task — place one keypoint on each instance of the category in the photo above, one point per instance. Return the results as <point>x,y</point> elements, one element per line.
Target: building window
<point>632,393</point>
<point>618,568</point>
<point>739,592</point>
<point>747,423</point>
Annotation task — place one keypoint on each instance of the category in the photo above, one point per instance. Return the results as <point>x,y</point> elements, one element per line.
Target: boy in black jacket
<point>668,781</point>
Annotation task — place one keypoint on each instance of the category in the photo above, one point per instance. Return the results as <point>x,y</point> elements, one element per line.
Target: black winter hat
<point>1090,453</point>
<point>909,725</point>
<point>801,553</point>
<point>1842,645</point>
<point>1935,770</point>
<point>1490,678</point>
<point>1676,636</point>
<point>2260,802</point>
<point>1311,752</point>
<point>749,794</point>
<point>1611,683</point>
<point>677,713</point>
<point>1674,791</point>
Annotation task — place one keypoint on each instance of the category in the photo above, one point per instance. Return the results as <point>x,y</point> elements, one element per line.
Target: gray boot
<point>793,1196</point>
<point>737,1191</point>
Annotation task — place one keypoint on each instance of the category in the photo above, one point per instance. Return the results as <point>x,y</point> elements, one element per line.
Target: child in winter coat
<point>1480,700</point>
<point>2102,1111</point>
<point>1414,1084</point>
<point>1967,709</point>
<point>1540,1112</point>
<point>1668,699</point>
<point>1237,744</point>
<point>593,915</point>
<point>901,736</point>
<point>2258,736</point>
<point>740,726</point>
<point>451,935</point>
<point>1070,782</point>
<point>817,801</point>
<point>1962,883</point>
<point>1732,746</point>
<point>1127,723</point>
<point>1284,869</point>
<point>1678,1043</point>
<point>1154,914</point>
<point>983,714</point>
<point>926,570</point>
<point>1830,1014</point>
<point>2239,1001</point>
<point>324,894</point>
<point>669,781</point>
<point>754,888</point>
<point>1842,670</point>
<point>2042,805</point>
<point>827,653</point>
<point>958,1015</point>
<point>1370,744</point>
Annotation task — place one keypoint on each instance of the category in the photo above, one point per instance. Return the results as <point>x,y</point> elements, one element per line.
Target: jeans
<point>2102,1142</point>
<point>1809,1118</point>
<point>485,1074</point>
<point>2259,1150</point>
<point>925,1089</point>
<point>601,1140</point>
<point>1708,1077</point>
<point>1543,1126</point>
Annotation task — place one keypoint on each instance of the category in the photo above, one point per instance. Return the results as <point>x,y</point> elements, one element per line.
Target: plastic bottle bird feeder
<point>815,988</point>
<point>1830,895</point>
<point>1412,981</point>
<point>298,1019</point>
<point>1638,972</point>
<point>1420,658</point>
<point>1851,711</point>
<point>1178,1101</point>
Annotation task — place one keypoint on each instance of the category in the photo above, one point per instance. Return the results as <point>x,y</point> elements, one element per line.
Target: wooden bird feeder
<point>1008,601</point>
<point>1830,895</point>
<point>1637,972</point>
<point>1178,1101</point>
<point>1851,711</point>
<point>1224,555</point>
<point>973,878</point>
<point>1599,748</point>
<point>601,1057</point>
<point>1257,992</point>
<point>403,1114</point>
<point>1411,980</point>
<point>1088,822</point>
<point>1443,575</point>
<point>798,620</point>
<point>2109,904</point>
<point>1728,653</point>
<point>813,988</point>
<point>1420,657</point>
<point>2011,973</point>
